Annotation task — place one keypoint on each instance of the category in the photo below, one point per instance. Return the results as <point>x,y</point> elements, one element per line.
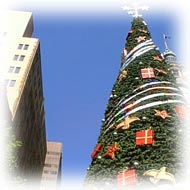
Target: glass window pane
<point>12,83</point>
<point>20,46</point>
<point>22,58</point>
<point>15,58</point>
<point>11,68</point>
<point>53,172</point>
<point>6,82</point>
<point>17,69</point>
<point>26,46</point>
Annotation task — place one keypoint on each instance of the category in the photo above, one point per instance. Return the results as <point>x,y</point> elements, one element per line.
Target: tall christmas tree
<point>141,140</point>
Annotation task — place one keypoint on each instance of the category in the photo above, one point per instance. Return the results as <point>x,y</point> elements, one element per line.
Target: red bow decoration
<point>111,150</point>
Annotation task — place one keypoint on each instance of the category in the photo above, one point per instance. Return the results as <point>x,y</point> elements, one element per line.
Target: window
<point>17,69</point>
<point>15,58</point>
<point>12,83</point>
<point>47,165</point>
<point>6,82</point>
<point>26,46</point>
<point>54,153</point>
<point>20,46</point>
<point>22,58</point>
<point>51,165</point>
<point>11,68</point>
<point>53,172</point>
<point>175,72</point>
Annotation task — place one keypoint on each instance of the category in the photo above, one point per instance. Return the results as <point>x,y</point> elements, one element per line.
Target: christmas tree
<point>141,137</point>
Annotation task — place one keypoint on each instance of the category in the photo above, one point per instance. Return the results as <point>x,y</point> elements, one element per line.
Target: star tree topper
<point>134,9</point>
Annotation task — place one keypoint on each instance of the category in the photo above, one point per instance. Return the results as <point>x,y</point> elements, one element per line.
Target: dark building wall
<point>29,123</point>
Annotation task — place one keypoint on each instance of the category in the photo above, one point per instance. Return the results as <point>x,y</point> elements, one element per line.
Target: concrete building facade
<point>23,81</point>
<point>51,177</point>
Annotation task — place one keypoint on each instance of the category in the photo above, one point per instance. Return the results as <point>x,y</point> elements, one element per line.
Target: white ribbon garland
<point>148,42</point>
<point>146,98</point>
<point>145,85</point>
<point>141,100</point>
<point>151,105</point>
<point>146,106</point>
<point>152,83</point>
<point>138,53</point>
<point>152,88</point>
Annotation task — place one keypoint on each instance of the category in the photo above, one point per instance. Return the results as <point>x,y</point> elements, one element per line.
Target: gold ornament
<point>161,71</point>
<point>157,175</point>
<point>141,38</point>
<point>122,75</point>
<point>163,114</point>
<point>142,30</point>
<point>157,58</point>
<point>126,123</point>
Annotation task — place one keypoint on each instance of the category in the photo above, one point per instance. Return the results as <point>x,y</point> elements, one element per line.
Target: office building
<point>23,81</point>
<point>51,176</point>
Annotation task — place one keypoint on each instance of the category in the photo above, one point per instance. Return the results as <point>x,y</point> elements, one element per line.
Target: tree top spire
<point>134,9</point>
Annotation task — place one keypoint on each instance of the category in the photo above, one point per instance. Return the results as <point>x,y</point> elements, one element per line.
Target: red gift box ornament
<point>127,177</point>
<point>147,73</point>
<point>111,150</point>
<point>96,150</point>
<point>145,137</point>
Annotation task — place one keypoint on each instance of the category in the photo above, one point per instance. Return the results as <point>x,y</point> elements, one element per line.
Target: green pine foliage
<point>166,151</point>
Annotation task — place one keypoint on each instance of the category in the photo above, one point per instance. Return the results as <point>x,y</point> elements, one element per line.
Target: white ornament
<point>99,157</point>
<point>136,163</point>
<point>115,133</point>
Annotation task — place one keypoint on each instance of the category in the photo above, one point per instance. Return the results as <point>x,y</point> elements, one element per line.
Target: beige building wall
<point>18,70</point>
<point>51,176</point>
<point>23,81</point>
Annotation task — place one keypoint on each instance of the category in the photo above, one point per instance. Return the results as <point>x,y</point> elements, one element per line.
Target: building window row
<point>51,165</point>
<point>48,178</point>
<point>53,153</point>
<point>10,83</point>
<point>23,46</point>
<point>18,57</point>
<point>50,172</point>
<point>13,69</point>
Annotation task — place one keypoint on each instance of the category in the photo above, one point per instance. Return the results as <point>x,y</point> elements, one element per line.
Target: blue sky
<point>80,63</point>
